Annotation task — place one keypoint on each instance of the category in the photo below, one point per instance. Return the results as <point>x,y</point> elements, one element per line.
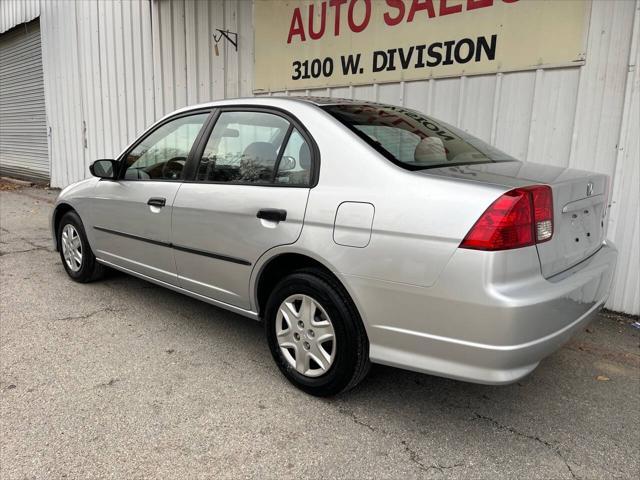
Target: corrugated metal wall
<point>624,227</point>
<point>98,59</point>
<point>23,123</point>
<point>15,12</point>
<point>111,68</point>
<point>186,66</point>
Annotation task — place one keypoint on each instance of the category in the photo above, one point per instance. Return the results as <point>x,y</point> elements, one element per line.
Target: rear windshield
<point>413,140</point>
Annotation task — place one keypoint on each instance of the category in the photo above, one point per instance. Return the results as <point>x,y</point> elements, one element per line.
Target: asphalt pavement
<point>124,379</point>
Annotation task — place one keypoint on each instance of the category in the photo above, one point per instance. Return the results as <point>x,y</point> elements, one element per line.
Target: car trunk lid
<point>579,206</point>
<point>579,222</point>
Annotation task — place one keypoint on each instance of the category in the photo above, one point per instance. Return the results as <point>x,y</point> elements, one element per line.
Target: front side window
<point>162,155</point>
<point>413,140</point>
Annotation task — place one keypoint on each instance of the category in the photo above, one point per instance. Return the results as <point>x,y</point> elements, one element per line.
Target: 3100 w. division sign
<point>307,44</point>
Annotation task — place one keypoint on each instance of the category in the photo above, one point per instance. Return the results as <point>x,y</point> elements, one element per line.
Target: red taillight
<point>519,218</point>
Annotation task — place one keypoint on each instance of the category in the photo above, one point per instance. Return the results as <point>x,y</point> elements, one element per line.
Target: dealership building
<point>552,82</point>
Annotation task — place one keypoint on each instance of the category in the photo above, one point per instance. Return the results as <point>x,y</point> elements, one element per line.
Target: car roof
<point>321,101</point>
<point>274,101</point>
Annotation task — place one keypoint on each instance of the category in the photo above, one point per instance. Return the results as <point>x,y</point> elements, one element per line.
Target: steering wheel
<point>172,168</point>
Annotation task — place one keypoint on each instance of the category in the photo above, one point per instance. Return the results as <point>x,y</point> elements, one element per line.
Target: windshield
<point>413,140</point>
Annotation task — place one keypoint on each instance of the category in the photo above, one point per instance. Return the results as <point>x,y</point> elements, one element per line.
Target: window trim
<point>283,147</point>
<point>191,169</point>
<point>122,158</point>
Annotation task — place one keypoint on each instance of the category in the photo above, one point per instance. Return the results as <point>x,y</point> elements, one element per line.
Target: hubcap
<point>71,247</point>
<point>305,335</point>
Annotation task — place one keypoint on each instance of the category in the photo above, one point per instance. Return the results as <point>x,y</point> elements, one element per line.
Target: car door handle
<point>272,214</point>
<point>157,202</point>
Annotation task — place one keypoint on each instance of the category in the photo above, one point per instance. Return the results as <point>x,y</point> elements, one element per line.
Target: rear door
<point>249,194</point>
<point>132,215</point>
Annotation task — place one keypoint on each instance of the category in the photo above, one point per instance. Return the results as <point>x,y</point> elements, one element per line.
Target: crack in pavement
<point>354,418</point>
<point>4,254</point>
<point>87,316</point>
<point>30,243</point>
<point>415,458</point>
<point>544,443</point>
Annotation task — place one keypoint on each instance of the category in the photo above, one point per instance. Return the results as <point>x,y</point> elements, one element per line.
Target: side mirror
<point>105,168</point>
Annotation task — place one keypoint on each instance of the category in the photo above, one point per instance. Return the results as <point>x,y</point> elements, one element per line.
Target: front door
<point>249,195</point>
<point>132,215</point>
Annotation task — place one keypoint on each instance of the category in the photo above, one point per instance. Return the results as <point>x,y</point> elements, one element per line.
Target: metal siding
<point>63,94</point>
<point>23,123</point>
<point>476,107</point>
<point>99,81</point>
<point>624,228</point>
<point>597,125</point>
<point>13,13</point>
<point>513,112</point>
<point>115,67</point>
<point>185,62</point>
<point>552,116</point>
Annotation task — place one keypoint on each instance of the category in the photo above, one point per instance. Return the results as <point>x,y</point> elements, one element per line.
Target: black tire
<point>90,269</point>
<point>351,362</point>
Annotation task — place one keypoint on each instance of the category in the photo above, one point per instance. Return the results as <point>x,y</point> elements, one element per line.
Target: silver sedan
<point>358,232</point>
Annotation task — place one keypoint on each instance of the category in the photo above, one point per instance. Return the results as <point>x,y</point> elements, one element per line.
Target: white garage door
<point>23,123</point>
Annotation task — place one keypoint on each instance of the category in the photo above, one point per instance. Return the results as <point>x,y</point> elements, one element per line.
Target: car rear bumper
<point>489,319</point>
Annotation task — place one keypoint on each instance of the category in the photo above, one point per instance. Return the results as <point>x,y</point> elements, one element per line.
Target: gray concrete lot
<point>123,379</point>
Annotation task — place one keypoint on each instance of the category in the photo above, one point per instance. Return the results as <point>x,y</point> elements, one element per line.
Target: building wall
<point>112,68</point>
<point>14,12</point>
<point>624,227</point>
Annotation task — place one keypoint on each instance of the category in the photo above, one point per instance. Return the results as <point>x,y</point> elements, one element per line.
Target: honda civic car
<point>357,232</point>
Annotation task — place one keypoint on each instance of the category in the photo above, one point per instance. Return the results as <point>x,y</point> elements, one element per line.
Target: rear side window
<point>413,140</point>
<point>254,148</point>
<point>295,165</point>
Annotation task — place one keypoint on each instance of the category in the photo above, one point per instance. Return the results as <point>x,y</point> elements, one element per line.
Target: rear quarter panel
<point>419,219</point>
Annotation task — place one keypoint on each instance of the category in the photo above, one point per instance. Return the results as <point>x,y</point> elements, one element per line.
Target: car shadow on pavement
<point>563,375</point>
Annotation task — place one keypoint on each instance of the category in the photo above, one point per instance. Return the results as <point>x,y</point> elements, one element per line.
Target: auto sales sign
<point>325,43</point>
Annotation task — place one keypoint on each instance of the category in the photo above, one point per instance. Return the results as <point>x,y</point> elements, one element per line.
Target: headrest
<point>304,156</point>
<point>430,149</point>
<point>261,152</point>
